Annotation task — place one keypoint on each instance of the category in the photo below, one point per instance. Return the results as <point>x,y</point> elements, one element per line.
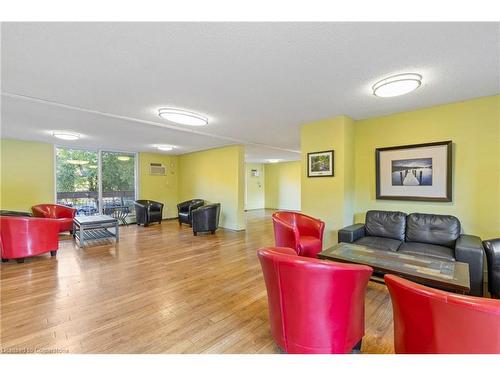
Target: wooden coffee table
<point>433,272</point>
<point>94,227</point>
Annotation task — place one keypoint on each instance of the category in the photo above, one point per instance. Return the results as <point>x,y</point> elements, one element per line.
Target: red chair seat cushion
<point>309,246</point>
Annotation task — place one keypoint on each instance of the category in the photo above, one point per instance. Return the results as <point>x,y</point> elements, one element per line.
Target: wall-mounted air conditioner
<point>157,169</point>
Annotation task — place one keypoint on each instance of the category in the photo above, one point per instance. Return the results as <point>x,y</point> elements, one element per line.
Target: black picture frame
<point>329,173</point>
<point>448,177</point>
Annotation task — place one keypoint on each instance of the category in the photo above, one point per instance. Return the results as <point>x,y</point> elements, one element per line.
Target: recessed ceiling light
<point>273,160</point>
<point>396,85</point>
<point>123,158</point>
<point>77,162</point>
<point>180,116</point>
<point>165,147</point>
<point>67,136</point>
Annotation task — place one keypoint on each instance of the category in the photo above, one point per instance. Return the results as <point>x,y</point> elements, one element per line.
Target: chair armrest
<point>469,249</point>
<point>351,233</point>
<point>139,205</point>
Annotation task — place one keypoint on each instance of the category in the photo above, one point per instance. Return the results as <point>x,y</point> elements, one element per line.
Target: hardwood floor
<point>159,290</point>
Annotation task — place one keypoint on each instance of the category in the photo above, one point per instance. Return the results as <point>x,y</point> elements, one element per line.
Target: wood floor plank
<point>158,290</point>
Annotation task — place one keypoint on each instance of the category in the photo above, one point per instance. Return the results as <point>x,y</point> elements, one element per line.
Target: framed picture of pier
<point>420,172</point>
<point>320,164</point>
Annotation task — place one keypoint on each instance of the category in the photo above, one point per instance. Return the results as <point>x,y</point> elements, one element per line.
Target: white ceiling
<point>257,82</point>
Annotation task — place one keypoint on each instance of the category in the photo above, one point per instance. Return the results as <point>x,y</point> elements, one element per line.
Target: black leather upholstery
<point>418,248</point>
<point>492,248</point>
<point>379,243</point>
<point>387,224</point>
<point>206,218</point>
<point>147,211</point>
<point>433,229</point>
<point>469,249</point>
<point>351,233</point>
<point>184,210</point>
<point>435,236</point>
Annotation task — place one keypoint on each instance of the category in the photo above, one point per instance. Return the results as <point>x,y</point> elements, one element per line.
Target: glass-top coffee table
<point>434,272</point>
<point>94,227</point>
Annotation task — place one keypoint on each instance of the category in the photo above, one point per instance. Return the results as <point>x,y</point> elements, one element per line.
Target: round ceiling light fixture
<point>273,160</point>
<point>396,85</point>
<point>67,136</point>
<point>180,116</point>
<point>77,162</point>
<point>123,158</point>
<point>164,147</point>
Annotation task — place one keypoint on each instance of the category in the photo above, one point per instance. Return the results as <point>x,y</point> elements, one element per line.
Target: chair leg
<point>195,233</point>
<point>357,347</point>
<point>20,260</point>
<point>4,260</point>
<point>53,253</point>
<point>212,231</point>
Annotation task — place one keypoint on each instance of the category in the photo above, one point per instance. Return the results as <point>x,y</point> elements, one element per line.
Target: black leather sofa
<point>492,248</point>
<point>206,218</point>
<point>184,210</point>
<point>437,236</point>
<point>148,212</point>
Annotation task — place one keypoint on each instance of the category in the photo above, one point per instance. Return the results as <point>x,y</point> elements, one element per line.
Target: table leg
<point>82,241</point>
<point>117,234</point>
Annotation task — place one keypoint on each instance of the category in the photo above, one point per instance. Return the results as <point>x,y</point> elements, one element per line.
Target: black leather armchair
<point>147,212</point>
<point>206,218</point>
<point>492,248</point>
<point>184,210</point>
<point>437,236</point>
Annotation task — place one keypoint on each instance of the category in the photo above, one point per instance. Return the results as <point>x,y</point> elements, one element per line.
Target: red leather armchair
<point>300,232</point>
<point>315,306</point>
<point>22,237</point>
<point>431,321</point>
<point>63,214</point>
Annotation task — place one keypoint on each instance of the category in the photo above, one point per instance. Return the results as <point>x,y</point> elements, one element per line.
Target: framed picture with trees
<point>320,164</point>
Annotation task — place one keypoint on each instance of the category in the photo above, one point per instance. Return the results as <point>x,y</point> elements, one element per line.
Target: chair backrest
<point>314,306</point>
<point>433,229</point>
<point>53,211</point>
<point>431,321</point>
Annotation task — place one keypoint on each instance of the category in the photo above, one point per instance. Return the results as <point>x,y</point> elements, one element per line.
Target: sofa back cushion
<point>433,229</point>
<point>389,224</point>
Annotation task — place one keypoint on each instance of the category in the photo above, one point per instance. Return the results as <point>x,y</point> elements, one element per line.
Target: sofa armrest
<point>351,233</point>
<point>469,249</point>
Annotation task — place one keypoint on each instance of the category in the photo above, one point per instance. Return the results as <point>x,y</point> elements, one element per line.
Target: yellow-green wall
<point>27,174</point>
<point>474,128</point>
<point>254,189</point>
<point>217,176</point>
<point>282,185</point>
<point>159,188</point>
<point>329,198</point>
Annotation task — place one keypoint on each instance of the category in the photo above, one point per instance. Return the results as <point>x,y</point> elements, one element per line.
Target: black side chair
<point>147,211</point>
<point>206,218</point>
<point>184,210</point>
<point>492,248</point>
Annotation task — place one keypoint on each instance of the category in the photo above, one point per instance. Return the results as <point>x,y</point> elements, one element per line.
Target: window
<point>118,182</point>
<point>81,184</point>
<point>76,180</point>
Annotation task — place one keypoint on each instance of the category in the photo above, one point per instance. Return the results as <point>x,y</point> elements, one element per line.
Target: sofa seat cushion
<point>424,249</point>
<point>184,215</point>
<point>380,243</point>
<point>309,246</point>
